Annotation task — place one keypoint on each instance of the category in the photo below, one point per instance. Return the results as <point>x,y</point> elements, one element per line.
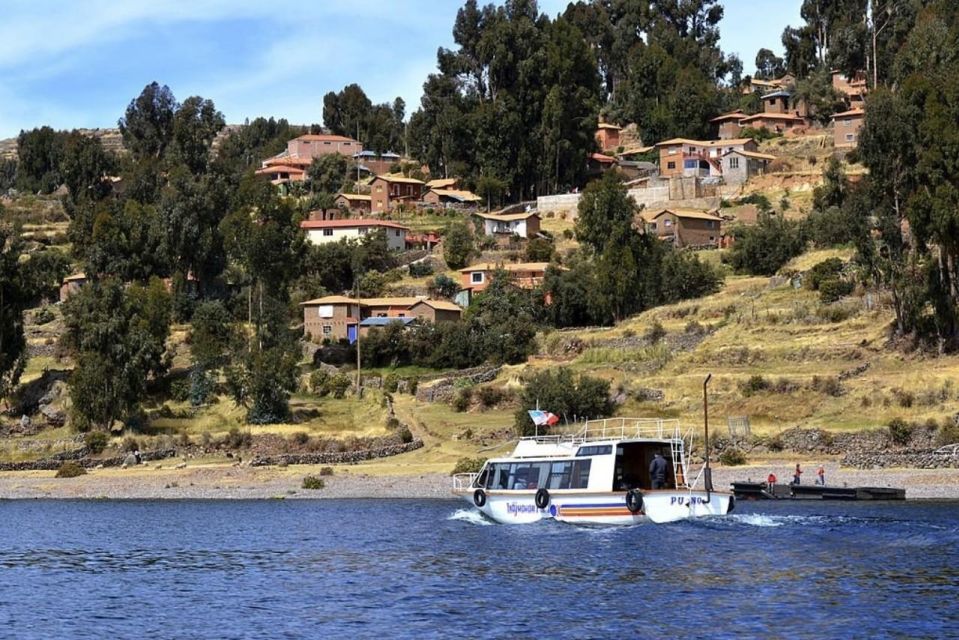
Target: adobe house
<point>392,189</point>
<point>282,173</point>
<point>684,227</point>
<point>71,284</point>
<point>680,157</point>
<point>607,136</point>
<point>853,88</point>
<point>775,122</point>
<point>739,166</point>
<point>524,224</point>
<point>324,231</point>
<point>845,128</point>
<point>356,203</point>
<point>443,183</point>
<point>440,197</point>
<point>477,277</point>
<point>728,124</point>
<point>337,318</point>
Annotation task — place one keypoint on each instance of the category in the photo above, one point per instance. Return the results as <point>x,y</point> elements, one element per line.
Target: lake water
<point>434,568</point>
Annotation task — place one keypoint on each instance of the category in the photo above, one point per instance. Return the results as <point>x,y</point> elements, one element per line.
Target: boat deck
<point>760,491</point>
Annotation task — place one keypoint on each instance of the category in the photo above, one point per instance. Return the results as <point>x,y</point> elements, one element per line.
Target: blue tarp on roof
<point>382,322</point>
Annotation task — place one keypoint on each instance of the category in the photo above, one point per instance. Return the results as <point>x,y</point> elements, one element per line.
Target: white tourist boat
<point>600,475</point>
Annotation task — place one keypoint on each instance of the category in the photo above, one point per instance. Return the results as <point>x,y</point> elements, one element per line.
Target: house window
<point>476,277</point>
<point>652,225</point>
<point>397,232</point>
<point>362,231</point>
<point>670,165</point>
<point>668,223</point>
<point>850,137</point>
<point>327,232</point>
<point>327,143</point>
<point>327,330</point>
<point>709,224</point>
<point>712,238</point>
<point>326,311</point>
<point>734,163</point>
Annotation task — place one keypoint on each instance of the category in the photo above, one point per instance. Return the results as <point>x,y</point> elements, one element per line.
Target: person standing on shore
<point>796,474</point>
<point>822,476</point>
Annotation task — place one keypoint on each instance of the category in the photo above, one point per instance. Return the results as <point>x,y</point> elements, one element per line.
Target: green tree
<point>14,299</point>
<point>764,248</point>
<point>458,245</point>
<point>85,166</point>
<point>605,210</point>
<point>328,173</point>
<point>118,337</point>
<point>39,154</point>
<point>565,394</point>
<point>196,124</point>
<point>768,65</point>
<point>148,125</point>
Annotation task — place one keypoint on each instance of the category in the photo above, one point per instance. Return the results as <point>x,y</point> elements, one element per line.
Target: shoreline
<point>231,482</point>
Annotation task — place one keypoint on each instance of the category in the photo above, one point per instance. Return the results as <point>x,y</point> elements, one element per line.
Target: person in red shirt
<point>771,480</point>
<point>796,474</point>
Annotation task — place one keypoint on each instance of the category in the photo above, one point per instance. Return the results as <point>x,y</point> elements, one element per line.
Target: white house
<point>524,225</point>
<point>323,231</point>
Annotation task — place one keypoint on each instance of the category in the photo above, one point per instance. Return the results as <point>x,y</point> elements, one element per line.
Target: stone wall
<point>914,460</point>
<point>650,198</point>
<point>80,457</point>
<point>442,390</point>
<point>339,457</point>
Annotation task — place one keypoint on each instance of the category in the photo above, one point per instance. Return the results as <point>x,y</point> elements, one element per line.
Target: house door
<point>351,334</point>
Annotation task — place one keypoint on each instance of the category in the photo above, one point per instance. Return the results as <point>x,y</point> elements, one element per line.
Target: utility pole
<point>709,472</point>
<point>359,318</point>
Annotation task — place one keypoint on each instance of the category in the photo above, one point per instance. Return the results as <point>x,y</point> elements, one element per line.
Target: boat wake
<point>468,515</point>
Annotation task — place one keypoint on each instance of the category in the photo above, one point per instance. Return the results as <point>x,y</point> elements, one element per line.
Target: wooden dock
<point>761,491</point>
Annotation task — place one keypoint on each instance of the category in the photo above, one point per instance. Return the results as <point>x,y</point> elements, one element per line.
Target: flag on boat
<point>543,418</point>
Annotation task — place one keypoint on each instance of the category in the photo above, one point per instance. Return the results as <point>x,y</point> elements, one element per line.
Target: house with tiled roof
<point>389,190</point>
<point>727,124</point>
<point>440,197</point>
<point>357,203</point>
<point>607,136</point>
<point>684,227</point>
<point>325,231</point>
<point>301,151</point>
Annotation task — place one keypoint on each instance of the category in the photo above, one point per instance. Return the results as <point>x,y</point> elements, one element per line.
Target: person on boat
<point>822,476</point>
<point>771,481</point>
<point>657,471</point>
<point>796,474</point>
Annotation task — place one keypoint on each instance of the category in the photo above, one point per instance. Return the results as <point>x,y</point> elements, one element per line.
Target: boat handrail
<point>616,429</point>
<point>463,481</point>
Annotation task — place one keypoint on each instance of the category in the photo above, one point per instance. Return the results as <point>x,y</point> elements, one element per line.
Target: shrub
<point>828,269</point>
<point>905,398</point>
<point>442,286</point>
<point>755,384</point>
<point>948,432</point>
<point>313,483</point>
<point>300,438</point>
<point>339,385</point>
<point>775,443</point>
<point>406,436</point>
<point>540,250</point>
<point>130,444</point>
<point>180,390</point>
<point>732,457</point>
<point>655,333</point>
<point>900,431</point>
<point>326,471</point>
<point>390,383</point>
<point>832,289</point>
<point>96,441</point>
<point>70,469</point>
<point>43,316</point>
<point>236,439</point>
<point>421,269</point>
<point>392,423</point>
<point>828,385</point>
<point>468,465</point>
<point>319,381</point>
<point>461,401</point>
<point>764,248</point>
<point>490,396</point>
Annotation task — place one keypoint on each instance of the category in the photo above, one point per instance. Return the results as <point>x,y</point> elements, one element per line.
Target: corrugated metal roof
<point>382,322</point>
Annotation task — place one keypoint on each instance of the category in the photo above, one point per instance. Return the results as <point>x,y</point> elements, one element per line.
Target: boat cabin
<point>594,466</point>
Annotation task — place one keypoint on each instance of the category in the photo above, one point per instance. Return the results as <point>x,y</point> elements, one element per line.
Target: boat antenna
<point>709,472</point>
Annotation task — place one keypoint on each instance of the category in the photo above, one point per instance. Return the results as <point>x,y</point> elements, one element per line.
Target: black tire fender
<point>542,499</point>
<point>479,498</point>
<point>634,500</point>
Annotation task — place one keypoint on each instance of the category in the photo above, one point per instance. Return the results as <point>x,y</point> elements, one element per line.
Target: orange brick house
<point>846,126</point>
<point>683,157</point>
<point>607,136</point>
<point>389,190</point>
<point>684,227</point>
<point>727,125</point>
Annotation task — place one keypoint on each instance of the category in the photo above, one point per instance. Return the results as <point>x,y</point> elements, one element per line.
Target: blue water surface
<point>435,568</point>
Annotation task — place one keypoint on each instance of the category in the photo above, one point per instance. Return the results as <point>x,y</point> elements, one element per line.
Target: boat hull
<point>519,507</point>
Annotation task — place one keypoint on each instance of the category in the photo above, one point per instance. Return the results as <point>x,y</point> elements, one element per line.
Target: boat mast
<point>709,472</point>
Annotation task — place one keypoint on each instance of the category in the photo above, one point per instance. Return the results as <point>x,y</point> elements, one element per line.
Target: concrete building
<point>701,158</point>
<point>739,166</point>
<point>324,231</point>
<point>524,225</point>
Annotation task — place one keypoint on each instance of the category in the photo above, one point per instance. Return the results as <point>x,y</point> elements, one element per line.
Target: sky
<point>79,63</point>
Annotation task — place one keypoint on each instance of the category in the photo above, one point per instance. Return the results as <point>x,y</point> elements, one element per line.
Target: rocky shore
<point>232,482</point>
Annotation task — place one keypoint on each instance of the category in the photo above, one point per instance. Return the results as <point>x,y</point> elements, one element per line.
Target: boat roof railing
<point>614,429</point>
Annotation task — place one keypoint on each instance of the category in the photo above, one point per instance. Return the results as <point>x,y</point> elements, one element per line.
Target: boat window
<point>559,475</point>
<point>483,477</point>
<point>595,450</point>
<point>580,475</point>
